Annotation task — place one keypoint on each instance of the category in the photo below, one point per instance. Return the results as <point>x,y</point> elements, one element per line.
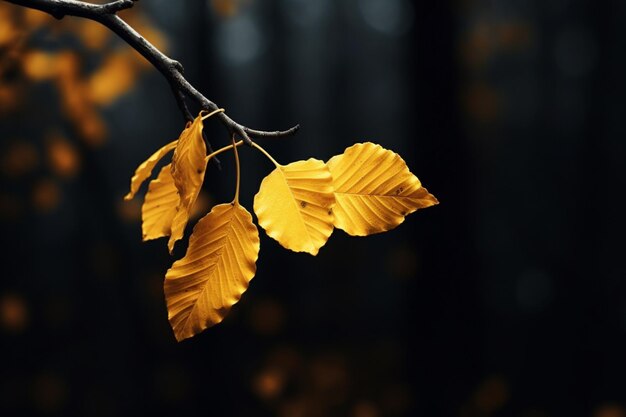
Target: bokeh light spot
<point>129,210</point>
<point>515,35</point>
<point>46,195</point>
<point>269,384</point>
<point>239,40</point>
<point>39,65</point>
<point>34,17</point>
<point>13,313</point>
<point>93,34</point>
<point>114,78</point>
<point>62,157</point>
<point>365,409</point>
<point>610,410</point>
<point>225,8</point>
<point>295,408</point>
<point>10,98</point>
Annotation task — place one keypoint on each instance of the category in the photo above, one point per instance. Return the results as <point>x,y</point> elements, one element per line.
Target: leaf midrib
<point>379,195</point>
<point>295,204</point>
<point>219,256</point>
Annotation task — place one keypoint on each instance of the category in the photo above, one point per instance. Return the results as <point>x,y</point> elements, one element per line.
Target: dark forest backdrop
<point>507,299</point>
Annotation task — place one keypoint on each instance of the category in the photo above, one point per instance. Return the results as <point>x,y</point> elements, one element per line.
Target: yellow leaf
<point>201,288</point>
<point>374,190</point>
<point>159,207</point>
<point>294,205</point>
<point>145,169</point>
<point>188,166</point>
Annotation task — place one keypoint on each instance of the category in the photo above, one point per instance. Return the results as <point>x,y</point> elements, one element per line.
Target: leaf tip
<point>180,337</point>
<point>430,198</point>
<point>170,245</point>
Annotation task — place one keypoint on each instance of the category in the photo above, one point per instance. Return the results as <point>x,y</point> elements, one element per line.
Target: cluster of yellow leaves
<point>365,190</point>
<point>172,194</point>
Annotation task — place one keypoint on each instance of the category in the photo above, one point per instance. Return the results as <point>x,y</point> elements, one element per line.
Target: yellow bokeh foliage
<point>83,90</point>
<point>85,68</point>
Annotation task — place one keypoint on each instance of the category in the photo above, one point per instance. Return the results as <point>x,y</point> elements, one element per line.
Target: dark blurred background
<point>507,299</point>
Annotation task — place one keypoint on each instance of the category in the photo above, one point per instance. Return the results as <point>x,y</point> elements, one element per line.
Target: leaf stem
<point>220,150</point>
<point>236,199</point>
<point>206,116</point>
<point>264,152</point>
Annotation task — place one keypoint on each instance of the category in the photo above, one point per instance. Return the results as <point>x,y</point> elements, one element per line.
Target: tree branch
<point>172,70</point>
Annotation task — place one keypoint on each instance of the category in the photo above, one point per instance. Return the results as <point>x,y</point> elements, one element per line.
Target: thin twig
<point>172,70</point>
<point>182,104</point>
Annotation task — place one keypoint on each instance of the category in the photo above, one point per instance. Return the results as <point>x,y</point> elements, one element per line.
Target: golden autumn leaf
<point>159,207</point>
<point>188,166</point>
<point>374,190</point>
<point>201,288</point>
<point>145,169</point>
<point>294,205</point>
